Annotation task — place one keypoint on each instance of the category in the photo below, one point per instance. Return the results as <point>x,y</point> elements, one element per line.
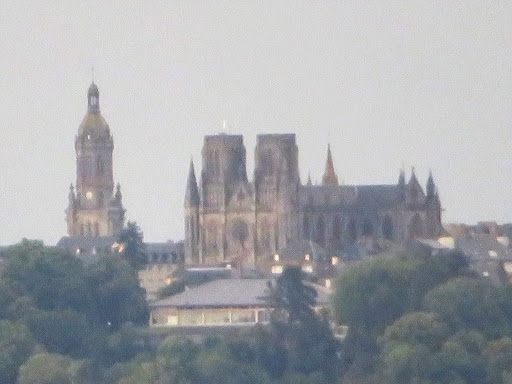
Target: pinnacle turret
<point>192,193</point>
<point>329,177</point>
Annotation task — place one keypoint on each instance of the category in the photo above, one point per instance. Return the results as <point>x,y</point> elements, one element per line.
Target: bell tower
<point>94,210</point>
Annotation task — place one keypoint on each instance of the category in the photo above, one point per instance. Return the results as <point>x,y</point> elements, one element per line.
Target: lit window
<point>77,251</point>
<point>277,269</point>
<point>486,274</point>
<point>334,260</point>
<point>228,266</point>
<point>167,280</point>
<point>276,257</point>
<point>88,195</point>
<point>328,283</point>
<point>306,257</point>
<point>172,320</point>
<point>307,268</point>
<point>493,253</point>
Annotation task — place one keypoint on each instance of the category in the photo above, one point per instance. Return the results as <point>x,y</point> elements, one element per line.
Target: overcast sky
<point>387,83</point>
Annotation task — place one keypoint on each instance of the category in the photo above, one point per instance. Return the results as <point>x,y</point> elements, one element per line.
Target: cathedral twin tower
<point>230,218</point>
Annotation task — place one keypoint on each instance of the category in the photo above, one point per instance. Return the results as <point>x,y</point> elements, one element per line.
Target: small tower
<point>192,202</point>
<point>329,177</point>
<point>94,210</point>
<point>402,189</point>
<point>414,191</point>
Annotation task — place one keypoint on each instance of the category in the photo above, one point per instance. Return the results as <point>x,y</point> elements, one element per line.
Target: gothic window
<point>100,169</point>
<point>416,227</point>
<point>82,229</point>
<point>352,229</point>
<point>367,227</point>
<point>320,231</point>
<point>306,228</point>
<point>336,231</point>
<point>265,234</point>
<point>96,229</point>
<point>387,228</point>
<point>239,233</point>
<point>89,229</point>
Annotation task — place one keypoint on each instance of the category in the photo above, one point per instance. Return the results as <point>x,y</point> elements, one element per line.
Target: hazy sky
<point>388,83</point>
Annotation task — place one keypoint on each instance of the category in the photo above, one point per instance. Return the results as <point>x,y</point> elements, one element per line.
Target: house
<point>224,302</point>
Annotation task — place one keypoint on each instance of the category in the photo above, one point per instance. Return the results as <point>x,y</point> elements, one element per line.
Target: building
<point>230,218</point>
<point>224,302</point>
<point>94,210</point>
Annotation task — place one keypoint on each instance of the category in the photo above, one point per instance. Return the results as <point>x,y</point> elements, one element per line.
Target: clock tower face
<point>94,179</point>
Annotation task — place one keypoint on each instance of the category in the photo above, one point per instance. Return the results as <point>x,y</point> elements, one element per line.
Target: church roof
<point>329,177</point>
<point>360,196</point>
<point>192,193</point>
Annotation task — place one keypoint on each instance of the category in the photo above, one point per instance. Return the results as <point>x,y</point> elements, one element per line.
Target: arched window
<point>82,229</point>
<point>306,228</point>
<point>336,230</point>
<point>367,227</point>
<point>387,228</point>
<point>265,234</point>
<point>100,168</point>
<point>89,229</point>
<point>352,230</point>
<point>416,227</point>
<point>320,231</point>
<point>96,229</point>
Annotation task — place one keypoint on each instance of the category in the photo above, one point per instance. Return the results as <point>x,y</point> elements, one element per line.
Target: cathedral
<point>94,210</point>
<point>229,218</point>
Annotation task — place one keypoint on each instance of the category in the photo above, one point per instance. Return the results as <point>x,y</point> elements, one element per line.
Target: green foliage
<point>116,295</point>
<point>469,303</point>
<point>172,289</point>
<point>46,368</point>
<point>65,332</point>
<point>298,339</point>
<point>372,295</point>
<point>134,249</point>
<point>16,345</point>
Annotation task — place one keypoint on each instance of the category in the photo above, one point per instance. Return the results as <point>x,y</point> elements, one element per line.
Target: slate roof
<point>361,197</point>
<point>227,293</point>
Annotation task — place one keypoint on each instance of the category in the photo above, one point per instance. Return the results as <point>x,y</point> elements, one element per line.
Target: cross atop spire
<point>329,177</point>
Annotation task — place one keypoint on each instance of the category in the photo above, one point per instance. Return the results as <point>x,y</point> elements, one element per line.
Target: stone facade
<point>229,218</point>
<point>94,209</point>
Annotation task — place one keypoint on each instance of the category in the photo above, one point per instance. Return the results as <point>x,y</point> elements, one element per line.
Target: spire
<point>93,98</point>
<point>329,177</point>
<point>401,185</point>
<point>72,196</point>
<point>118,196</point>
<point>401,178</point>
<point>431,186</point>
<point>309,183</point>
<point>192,194</point>
<point>413,180</point>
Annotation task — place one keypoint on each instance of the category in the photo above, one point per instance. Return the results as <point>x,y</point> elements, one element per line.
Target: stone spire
<point>192,193</point>
<point>329,177</point>
<point>401,185</point>
<point>431,186</point>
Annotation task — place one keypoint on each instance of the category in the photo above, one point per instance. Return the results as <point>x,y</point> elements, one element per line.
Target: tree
<point>47,368</point>
<point>371,296</point>
<point>51,277</point>
<point>172,289</point>
<point>16,345</point>
<point>116,295</point>
<point>298,333</point>
<point>133,248</point>
<point>469,303</point>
